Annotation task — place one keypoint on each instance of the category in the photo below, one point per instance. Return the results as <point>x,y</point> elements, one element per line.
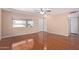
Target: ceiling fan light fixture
<point>42,12</point>
<point>45,15</point>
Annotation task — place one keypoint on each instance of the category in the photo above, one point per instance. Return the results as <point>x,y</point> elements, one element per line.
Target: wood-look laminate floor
<point>44,41</point>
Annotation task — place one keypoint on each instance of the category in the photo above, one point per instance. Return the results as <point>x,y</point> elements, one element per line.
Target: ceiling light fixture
<point>44,11</point>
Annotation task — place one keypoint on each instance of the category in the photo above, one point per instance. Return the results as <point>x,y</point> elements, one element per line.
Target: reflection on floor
<point>43,41</point>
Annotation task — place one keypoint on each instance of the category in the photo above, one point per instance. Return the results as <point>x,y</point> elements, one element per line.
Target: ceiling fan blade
<point>48,11</point>
<point>74,12</point>
<point>41,9</point>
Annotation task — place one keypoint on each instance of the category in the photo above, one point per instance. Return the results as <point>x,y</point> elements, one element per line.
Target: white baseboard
<point>16,35</point>
<point>59,34</point>
<point>31,33</point>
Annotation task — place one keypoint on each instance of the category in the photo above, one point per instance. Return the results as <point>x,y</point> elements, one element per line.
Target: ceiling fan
<point>43,11</point>
<point>74,12</point>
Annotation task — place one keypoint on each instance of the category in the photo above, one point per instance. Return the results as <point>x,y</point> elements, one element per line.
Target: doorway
<point>74,25</point>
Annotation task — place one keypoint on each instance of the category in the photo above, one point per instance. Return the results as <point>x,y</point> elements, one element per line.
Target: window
<point>19,23</point>
<point>30,23</point>
<point>23,23</point>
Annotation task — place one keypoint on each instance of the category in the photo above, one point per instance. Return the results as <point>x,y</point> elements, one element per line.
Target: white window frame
<point>17,24</point>
<point>26,25</point>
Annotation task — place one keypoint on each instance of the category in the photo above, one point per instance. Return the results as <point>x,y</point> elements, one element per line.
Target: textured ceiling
<point>36,10</point>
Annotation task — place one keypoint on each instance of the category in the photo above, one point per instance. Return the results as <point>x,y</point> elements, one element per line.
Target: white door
<point>74,25</point>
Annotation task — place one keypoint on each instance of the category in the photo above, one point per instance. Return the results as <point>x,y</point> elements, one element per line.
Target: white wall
<point>58,24</point>
<point>8,30</point>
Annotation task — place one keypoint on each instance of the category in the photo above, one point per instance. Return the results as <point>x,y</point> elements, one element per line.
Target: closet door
<point>74,25</point>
